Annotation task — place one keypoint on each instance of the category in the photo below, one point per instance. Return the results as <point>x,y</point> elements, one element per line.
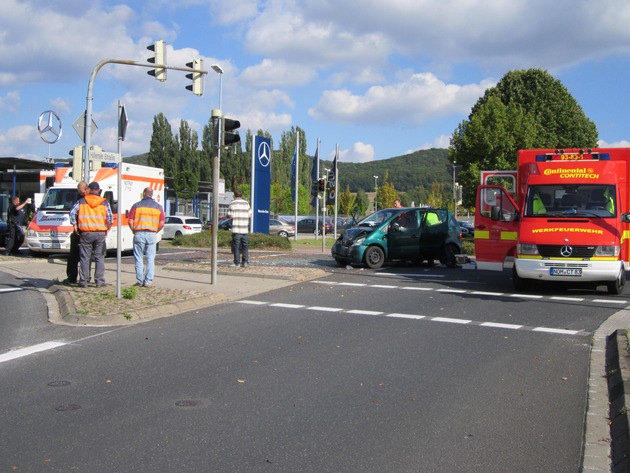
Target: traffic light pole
<point>88,106</point>
<point>216,162</point>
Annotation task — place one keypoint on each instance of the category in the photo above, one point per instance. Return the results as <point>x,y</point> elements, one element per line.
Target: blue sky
<point>379,78</point>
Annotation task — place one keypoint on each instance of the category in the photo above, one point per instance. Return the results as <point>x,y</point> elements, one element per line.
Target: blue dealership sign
<point>261,183</point>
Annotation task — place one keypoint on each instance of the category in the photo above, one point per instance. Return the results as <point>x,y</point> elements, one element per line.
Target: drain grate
<point>68,407</point>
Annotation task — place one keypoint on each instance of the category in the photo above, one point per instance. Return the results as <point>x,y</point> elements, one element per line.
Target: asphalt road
<point>403,370</point>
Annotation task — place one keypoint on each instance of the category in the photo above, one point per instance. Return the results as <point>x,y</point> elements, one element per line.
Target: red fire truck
<point>562,216</point>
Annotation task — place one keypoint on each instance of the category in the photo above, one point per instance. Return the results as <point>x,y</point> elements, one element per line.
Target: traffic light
<point>321,185</point>
<point>197,77</point>
<point>159,58</point>
<point>228,137</point>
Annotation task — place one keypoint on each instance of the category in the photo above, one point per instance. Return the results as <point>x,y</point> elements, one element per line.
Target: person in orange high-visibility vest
<point>92,219</point>
<point>146,219</point>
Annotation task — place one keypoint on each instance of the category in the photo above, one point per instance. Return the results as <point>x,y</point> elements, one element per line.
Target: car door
<point>170,224</point>
<point>403,237</point>
<point>433,233</point>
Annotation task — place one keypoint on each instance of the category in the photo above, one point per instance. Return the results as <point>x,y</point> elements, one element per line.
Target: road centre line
<point>418,317</point>
<point>476,293</point>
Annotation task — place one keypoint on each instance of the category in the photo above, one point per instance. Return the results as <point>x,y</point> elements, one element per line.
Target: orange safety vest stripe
<point>147,219</point>
<point>92,219</point>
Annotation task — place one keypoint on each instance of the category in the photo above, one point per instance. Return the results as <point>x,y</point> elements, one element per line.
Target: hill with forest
<point>407,172</point>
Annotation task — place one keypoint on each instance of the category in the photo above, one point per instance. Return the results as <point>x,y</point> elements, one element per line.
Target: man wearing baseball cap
<point>92,219</point>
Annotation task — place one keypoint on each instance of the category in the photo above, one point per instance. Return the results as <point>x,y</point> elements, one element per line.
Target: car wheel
<point>178,234</point>
<point>448,257</point>
<point>283,234</point>
<point>340,262</point>
<point>374,257</point>
<point>616,287</point>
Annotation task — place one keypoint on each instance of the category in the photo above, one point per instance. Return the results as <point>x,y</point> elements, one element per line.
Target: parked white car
<point>178,225</point>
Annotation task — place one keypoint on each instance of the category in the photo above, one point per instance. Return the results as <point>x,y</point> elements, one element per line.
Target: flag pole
<point>317,185</point>
<point>297,167</point>
<point>336,186</point>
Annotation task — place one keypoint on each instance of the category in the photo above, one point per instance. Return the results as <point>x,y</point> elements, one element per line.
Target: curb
<point>69,314</point>
<point>618,372</point>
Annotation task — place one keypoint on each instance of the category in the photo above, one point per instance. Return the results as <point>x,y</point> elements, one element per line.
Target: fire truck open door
<point>496,227</point>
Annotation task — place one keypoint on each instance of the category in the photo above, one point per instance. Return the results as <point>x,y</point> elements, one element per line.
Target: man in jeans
<point>240,213</point>
<point>146,219</point>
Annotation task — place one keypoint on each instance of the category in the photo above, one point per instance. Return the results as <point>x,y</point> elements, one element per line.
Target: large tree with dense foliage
<point>526,109</point>
<point>163,146</point>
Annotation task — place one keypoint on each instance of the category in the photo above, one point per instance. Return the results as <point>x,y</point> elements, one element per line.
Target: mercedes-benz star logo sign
<point>49,126</point>
<point>566,251</point>
<point>264,154</point>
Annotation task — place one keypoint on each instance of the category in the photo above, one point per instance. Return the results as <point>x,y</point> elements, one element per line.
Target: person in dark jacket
<point>15,214</point>
<point>72,264</point>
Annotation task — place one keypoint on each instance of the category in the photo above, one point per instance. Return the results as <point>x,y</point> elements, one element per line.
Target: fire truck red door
<point>496,227</point>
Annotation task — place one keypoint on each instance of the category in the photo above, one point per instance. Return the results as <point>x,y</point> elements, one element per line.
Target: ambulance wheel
<point>616,287</point>
<point>374,257</point>
<point>519,283</point>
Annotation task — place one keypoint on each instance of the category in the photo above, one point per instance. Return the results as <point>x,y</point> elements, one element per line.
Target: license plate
<point>565,271</point>
<point>51,245</point>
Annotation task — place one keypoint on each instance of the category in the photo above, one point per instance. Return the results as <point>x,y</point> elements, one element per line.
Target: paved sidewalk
<point>177,288</point>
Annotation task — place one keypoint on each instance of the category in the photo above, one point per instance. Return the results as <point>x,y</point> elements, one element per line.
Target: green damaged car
<point>407,234</point>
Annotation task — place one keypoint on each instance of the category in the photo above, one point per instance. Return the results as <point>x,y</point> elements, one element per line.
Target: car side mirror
<point>395,227</point>
<point>495,213</point>
<point>625,218</point>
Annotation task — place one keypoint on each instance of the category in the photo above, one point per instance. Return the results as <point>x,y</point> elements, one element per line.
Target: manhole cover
<point>58,384</point>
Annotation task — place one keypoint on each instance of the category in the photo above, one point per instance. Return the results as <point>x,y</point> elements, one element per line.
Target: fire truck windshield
<point>588,200</point>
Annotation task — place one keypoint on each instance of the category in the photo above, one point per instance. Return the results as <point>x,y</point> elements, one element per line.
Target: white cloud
<point>616,144</point>
<point>421,97</point>
<point>10,102</point>
<point>274,73</point>
<point>359,153</point>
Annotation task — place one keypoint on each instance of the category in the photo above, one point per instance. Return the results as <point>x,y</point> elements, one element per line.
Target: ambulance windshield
<point>59,199</point>
<point>588,200</point>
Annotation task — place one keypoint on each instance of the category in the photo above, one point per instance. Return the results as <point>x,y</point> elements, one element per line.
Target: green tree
<point>437,197</point>
<point>363,203</point>
<point>386,193</point>
<point>162,149</point>
<point>526,109</point>
<point>186,184</point>
<point>189,158</point>
<point>347,202</point>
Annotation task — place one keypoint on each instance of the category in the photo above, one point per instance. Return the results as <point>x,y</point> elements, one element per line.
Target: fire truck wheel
<point>519,283</point>
<point>616,287</point>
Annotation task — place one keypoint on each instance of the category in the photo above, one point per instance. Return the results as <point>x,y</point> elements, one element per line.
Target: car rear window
<point>194,221</point>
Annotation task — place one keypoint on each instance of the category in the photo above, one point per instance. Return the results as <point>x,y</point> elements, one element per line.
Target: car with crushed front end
<point>401,234</point>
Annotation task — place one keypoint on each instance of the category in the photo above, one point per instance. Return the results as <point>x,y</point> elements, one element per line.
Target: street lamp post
<point>375,193</point>
<point>217,117</point>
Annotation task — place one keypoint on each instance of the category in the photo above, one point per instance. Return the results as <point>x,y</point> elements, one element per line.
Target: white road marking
<point>11,289</point>
<point>405,316</point>
<point>449,320</point>
<point>287,306</point>
<point>364,312</point>
<point>498,325</point>
<point>12,355</point>
<point>474,293</point>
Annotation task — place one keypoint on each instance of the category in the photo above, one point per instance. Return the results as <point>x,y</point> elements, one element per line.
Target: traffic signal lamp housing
<point>321,185</point>
<point>197,77</point>
<point>159,58</point>
<point>229,137</point>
